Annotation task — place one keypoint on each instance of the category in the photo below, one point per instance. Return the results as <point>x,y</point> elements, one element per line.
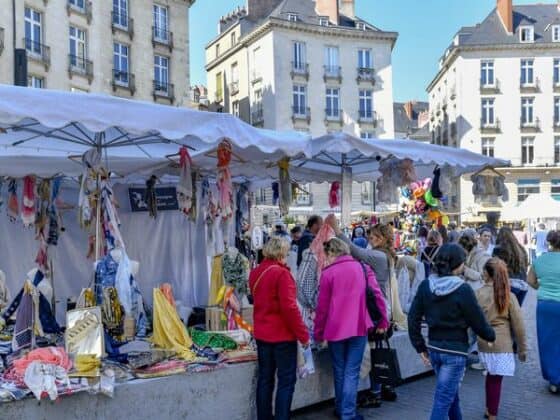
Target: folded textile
<point>47,355</point>
<point>43,378</point>
<point>168,368</point>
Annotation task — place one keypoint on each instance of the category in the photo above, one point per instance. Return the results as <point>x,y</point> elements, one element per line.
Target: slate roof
<point>403,124</point>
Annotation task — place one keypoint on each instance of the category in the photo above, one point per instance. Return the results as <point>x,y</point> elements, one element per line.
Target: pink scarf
<point>325,234</point>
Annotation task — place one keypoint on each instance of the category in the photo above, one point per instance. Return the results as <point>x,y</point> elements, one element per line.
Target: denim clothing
<point>450,370</point>
<point>105,275</point>
<point>280,360</point>
<point>346,358</point>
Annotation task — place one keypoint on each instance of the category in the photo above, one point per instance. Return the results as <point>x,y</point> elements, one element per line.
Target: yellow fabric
<point>284,164</point>
<point>216,280</point>
<point>87,365</point>
<point>169,332</point>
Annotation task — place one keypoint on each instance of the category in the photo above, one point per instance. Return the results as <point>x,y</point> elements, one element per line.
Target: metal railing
<point>301,112</point>
<point>80,65</point>
<point>488,126</point>
<point>300,69</point>
<point>333,72</point>
<point>121,22</point>
<point>366,74</point>
<point>531,86</point>
<point>367,115</point>
<point>85,10</point>
<point>333,114</point>
<point>36,50</point>
<point>162,36</point>
<point>490,87</point>
<point>164,90</point>
<point>533,125</point>
<point>124,79</point>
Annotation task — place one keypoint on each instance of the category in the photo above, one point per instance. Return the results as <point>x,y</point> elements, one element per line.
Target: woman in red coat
<point>278,327</point>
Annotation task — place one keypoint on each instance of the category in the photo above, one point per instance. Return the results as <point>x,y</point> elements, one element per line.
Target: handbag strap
<point>260,277</point>
<point>365,275</point>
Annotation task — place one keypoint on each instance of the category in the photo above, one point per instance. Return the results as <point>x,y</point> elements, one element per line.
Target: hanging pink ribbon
<point>225,187</point>
<point>334,195</point>
<point>185,185</point>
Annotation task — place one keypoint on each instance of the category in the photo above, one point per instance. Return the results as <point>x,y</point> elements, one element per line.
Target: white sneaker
<point>478,366</point>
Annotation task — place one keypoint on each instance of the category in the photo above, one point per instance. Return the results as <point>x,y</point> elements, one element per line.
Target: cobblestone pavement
<point>524,397</point>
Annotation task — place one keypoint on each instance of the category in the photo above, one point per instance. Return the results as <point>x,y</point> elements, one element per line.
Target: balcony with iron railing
<point>301,113</point>
<point>162,36</point>
<point>490,126</point>
<point>530,126</point>
<point>80,66</point>
<point>163,90</point>
<point>300,69</point>
<point>332,73</point>
<point>489,87</point>
<point>366,74</point>
<point>366,116</point>
<point>333,115</point>
<point>1,40</point>
<point>83,8</point>
<point>38,52</point>
<point>532,86</point>
<point>124,80</point>
<point>234,88</point>
<point>121,22</point>
<point>257,115</point>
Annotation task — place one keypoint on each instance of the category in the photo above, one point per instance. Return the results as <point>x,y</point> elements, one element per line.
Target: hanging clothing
<point>105,275</point>
<point>334,195</point>
<point>23,331</point>
<point>307,281</point>
<point>225,187</point>
<point>28,201</point>
<point>185,184</point>
<point>236,272</point>
<point>216,280</point>
<point>285,186</point>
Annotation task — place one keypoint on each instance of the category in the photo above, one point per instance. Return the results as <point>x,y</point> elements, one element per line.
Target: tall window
<point>487,73</point>
<point>234,73</point>
<point>488,147</point>
<point>292,17</point>
<point>557,110</point>
<point>217,50</point>
<point>35,82</point>
<point>78,48</point>
<point>556,71</point>
<point>527,150</point>
<point>161,73</point>
<point>33,31</point>
<point>257,98</point>
<point>257,74</point>
<point>331,59</point>
<point>526,187</point>
<point>333,102</point>
<point>161,22</point>
<point>299,99</point>
<point>299,56</point>
<point>233,38</point>
<point>526,33</point>
<point>219,86</point>
<point>366,103</point>
<point>79,4</point>
<point>364,59</point>
<point>487,106</point>
<point>557,150</point>
<point>120,63</point>
<point>555,33</point>
<point>120,13</point>
<point>527,76</point>
<point>555,189</point>
<point>235,108</point>
<point>527,110</point>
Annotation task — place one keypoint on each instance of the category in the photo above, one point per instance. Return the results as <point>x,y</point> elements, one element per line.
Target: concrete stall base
<point>222,394</point>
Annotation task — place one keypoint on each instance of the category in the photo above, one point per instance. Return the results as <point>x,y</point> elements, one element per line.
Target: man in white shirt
<point>541,244</point>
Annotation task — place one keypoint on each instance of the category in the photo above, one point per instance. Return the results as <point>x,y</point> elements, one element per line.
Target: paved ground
<point>524,397</point>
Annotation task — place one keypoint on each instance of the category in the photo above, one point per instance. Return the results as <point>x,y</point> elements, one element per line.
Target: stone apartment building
<point>308,65</point>
<point>497,92</point>
<point>136,49</point>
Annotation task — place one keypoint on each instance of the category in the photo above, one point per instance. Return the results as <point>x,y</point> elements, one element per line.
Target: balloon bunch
<point>419,201</point>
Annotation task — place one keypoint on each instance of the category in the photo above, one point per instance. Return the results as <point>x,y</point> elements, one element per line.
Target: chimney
<point>260,9</point>
<point>505,10</point>
<point>328,8</point>
<point>347,8</point>
<point>408,109</point>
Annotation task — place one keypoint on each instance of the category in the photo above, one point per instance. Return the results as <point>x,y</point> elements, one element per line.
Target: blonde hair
<point>336,247</point>
<point>276,249</point>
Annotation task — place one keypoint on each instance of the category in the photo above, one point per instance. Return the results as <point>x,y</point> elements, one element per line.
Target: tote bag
<point>385,364</point>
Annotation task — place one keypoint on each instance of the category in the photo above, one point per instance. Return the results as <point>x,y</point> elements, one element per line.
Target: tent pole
<point>98,142</point>
<point>346,205</point>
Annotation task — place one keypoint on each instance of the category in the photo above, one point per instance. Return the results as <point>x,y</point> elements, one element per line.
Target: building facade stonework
<point>136,49</point>
<point>307,65</point>
<point>498,93</point>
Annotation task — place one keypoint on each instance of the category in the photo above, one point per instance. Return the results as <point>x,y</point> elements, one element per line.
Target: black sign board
<point>166,199</point>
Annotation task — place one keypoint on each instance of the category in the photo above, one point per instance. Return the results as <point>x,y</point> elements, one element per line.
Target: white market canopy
<point>535,206</point>
<point>132,134</point>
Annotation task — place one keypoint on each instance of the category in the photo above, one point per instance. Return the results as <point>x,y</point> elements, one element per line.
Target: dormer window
<point>526,34</point>
<point>324,21</point>
<point>555,33</point>
<point>292,17</point>
<point>361,26</point>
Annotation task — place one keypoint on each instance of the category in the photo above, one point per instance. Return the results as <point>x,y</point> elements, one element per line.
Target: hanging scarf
<point>13,204</point>
<point>275,193</point>
<point>111,222</point>
<point>285,186</point>
<point>209,208</point>
<point>334,195</point>
<point>150,197</point>
<point>167,291</point>
<point>28,201</point>
<point>86,201</point>
<point>232,310</point>
<point>23,330</point>
<point>325,234</point>
<point>225,188</point>
<point>54,225</point>
<point>185,185</point>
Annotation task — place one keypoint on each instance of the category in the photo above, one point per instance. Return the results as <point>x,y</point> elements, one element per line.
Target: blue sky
<point>425,28</point>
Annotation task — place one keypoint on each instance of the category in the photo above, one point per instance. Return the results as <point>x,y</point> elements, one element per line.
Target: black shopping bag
<point>385,364</point>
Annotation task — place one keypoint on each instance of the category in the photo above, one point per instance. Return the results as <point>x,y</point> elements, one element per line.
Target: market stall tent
<point>547,206</point>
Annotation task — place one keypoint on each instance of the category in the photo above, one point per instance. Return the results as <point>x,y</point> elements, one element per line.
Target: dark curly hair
<point>553,239</point>
<point>517,259</point>
<point>468,243</point>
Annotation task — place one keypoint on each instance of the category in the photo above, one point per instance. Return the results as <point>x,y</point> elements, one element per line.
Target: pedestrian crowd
<point>322,287</point>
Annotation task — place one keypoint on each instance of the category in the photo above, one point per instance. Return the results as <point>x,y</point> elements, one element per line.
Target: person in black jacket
<point>314,224</point>
<point>449,307</point>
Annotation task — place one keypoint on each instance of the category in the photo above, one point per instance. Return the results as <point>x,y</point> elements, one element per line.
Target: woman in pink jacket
<point>343,321</point>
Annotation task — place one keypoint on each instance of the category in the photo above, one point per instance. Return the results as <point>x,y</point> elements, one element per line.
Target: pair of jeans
<point>346,358</point>
<point>276,360</point>
<point>450,370</point>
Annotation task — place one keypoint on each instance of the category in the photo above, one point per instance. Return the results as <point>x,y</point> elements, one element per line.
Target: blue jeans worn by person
<point>346,358</point>
<point>276,360</point>
<point>450,370</point>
